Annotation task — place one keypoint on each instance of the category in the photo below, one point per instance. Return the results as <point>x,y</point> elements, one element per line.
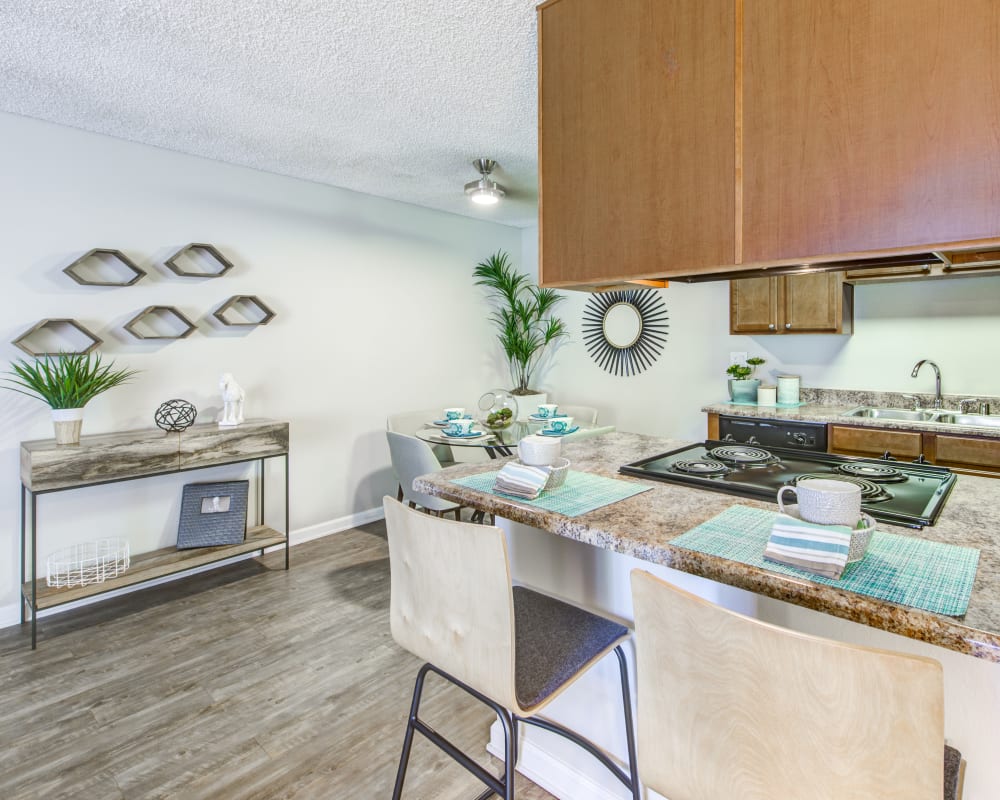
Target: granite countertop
<point>829,405</point>
<point>643,526</point>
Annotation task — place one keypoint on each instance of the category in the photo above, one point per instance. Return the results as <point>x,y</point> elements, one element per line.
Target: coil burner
<point>880,473</point>
<point>703,467</point>
<point>743,456</point>
<point>870,492</point>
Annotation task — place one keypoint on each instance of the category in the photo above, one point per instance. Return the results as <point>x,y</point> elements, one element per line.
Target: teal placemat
<point>582,492</point>
<point>902,569</point>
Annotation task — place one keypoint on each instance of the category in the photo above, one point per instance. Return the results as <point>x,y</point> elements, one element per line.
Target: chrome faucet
<point>937,379</point>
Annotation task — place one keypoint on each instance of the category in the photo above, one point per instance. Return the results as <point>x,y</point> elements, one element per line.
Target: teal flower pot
<point>744,391</point>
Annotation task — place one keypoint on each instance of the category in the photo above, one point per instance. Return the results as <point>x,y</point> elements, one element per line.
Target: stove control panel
<point>774,433</point>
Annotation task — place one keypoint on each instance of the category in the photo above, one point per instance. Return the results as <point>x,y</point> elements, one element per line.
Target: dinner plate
<point>471,435</point>
<point>545,432</point>
<point>537,418</point>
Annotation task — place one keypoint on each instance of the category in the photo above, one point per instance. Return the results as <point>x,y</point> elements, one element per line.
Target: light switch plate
<point>737,358</point>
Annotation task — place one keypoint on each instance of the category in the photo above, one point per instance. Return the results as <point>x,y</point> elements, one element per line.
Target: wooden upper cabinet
<point>820,303</point>
<point>868,125</point>
<point>636,139</point>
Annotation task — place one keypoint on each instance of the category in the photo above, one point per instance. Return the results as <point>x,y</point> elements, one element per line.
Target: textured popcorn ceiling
<point>391,98</point>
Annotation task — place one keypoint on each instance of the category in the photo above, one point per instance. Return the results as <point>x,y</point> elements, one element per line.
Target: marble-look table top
<point>644,526</point>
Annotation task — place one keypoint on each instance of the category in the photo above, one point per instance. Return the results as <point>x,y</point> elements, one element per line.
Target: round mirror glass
<point>622,325</point>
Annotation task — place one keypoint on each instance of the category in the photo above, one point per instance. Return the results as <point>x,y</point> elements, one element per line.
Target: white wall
<point>955,322</point>
<point>376,313</point>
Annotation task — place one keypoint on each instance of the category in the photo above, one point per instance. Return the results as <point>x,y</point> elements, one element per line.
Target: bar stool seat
<point>554,641</point>
<point>514,649</point>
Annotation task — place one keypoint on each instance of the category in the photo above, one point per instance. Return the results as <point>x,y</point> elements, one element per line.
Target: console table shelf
<point>152,565</point>
<point>110,458</point>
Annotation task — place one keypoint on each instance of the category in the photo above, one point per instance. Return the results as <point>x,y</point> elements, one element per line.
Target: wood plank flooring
<point>243,682</point>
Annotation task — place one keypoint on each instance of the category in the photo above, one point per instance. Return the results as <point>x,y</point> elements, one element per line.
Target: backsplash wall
<point>955,322</point>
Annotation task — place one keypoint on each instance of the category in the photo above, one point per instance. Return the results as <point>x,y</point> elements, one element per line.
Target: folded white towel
<point>820,549</point>
<point>520,480</point>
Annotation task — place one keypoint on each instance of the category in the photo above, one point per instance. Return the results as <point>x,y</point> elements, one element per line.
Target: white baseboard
<point>11,614</point>
<point>554,774</point>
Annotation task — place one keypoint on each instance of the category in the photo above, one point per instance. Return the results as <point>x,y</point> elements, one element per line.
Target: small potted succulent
<point>742,383</point>
<point>66,382</point>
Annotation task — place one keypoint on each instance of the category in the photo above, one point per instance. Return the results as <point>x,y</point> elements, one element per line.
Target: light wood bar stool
<point>454,606</point>
<point>732,707</point>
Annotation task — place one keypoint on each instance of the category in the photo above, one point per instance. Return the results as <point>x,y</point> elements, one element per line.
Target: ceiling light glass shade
<point>485,192</point>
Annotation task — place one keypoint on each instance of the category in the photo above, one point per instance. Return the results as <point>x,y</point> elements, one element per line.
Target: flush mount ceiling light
<point>485,192</point>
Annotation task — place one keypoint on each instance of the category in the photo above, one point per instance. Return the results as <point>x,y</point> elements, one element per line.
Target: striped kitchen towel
<point>819,549</point>
<point>520,480</point>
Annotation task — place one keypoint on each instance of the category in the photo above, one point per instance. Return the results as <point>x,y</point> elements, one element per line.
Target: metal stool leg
<point>633,766</point>
<point>404,758</point>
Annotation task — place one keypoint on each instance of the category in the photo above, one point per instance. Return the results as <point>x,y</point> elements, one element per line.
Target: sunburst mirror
<point>625,331</point>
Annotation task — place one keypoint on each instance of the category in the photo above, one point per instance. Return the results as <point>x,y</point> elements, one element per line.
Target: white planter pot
<point>67,423</point>
<point>528,404</point>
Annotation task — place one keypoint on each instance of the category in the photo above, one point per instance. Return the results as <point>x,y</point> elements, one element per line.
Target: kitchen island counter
<point>644,526</point>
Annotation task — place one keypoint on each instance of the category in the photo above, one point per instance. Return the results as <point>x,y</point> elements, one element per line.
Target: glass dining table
<point>495,443</point>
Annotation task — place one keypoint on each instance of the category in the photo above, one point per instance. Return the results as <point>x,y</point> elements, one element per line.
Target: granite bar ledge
<point>643,526</point>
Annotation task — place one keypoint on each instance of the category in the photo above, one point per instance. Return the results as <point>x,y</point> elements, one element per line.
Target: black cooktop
<point>898,492</point>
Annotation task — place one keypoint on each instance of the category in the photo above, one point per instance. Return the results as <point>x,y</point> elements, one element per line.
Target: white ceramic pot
<point>529,403</point>
<point>67,422</point>
<point>539,451</point>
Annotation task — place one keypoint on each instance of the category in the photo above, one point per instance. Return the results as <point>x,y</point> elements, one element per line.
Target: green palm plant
<point>523,316</point>
<point>66,380</point>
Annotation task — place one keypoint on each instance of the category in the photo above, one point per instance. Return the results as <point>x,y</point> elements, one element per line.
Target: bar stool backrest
<point>451,598</point>
<point>732,707</point>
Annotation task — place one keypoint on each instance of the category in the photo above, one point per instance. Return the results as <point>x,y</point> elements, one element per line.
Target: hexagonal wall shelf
<point>243,310</point>
<point>160,322</point>
<point>193,254</point>
<point>46,338</point>
<point>91,268</point>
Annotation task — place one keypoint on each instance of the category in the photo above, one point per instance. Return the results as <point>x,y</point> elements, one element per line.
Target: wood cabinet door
<point>868,124</point>
<point>874,442</point>
<point>968,454</point>
<point>753,305</point>
<point>637,138</point>
<point>812,303</point>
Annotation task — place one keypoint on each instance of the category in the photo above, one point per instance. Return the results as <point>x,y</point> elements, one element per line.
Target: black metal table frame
<point>31,604</point>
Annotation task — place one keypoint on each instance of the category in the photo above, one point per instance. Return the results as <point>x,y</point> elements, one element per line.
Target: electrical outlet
<point>737,358</point>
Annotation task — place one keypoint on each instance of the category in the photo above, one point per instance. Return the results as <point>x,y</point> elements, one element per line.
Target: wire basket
<point>89,562</point>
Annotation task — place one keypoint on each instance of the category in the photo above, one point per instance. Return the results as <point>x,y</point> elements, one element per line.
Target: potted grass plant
<point>525,323</point>
<point>66,382</point>
<point>742,381</point>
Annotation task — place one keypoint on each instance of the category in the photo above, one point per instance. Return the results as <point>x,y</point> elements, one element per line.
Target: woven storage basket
<point>213,514</point>
<point>557,474</point>
<point>860,539</point>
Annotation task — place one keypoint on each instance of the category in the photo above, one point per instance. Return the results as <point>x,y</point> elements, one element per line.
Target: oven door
<point>774,433</point>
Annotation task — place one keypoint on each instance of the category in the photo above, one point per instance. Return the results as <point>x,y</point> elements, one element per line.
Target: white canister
<point>767,395</point>
<point>539,451</point>
<point>788,389</point>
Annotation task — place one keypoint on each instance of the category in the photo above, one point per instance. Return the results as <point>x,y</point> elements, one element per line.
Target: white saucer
<point>546,432</point>
<point>537,418</point>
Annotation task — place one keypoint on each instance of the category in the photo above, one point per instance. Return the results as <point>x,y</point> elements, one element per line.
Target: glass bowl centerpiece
<point>498,410</point>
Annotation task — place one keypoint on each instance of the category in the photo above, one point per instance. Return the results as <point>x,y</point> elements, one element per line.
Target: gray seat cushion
<point>952,772</point>
<point>552,641</point>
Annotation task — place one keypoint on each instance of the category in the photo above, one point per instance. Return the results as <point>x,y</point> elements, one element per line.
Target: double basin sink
<point>935,416</point>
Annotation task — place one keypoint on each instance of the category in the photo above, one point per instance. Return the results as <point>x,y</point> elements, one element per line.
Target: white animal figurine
<point>232,401</point>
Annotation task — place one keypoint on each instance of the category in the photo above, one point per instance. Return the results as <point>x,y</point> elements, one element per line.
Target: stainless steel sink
<point>892,413</point>
<point>975,420</point>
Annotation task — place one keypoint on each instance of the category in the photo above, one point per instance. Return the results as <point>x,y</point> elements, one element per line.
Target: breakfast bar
<point>587,558</point>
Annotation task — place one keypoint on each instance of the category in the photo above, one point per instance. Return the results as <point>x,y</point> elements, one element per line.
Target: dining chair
<point>409,422</point>
<point>410,459</point>
<point>580,414</point>
<point>589,433</point>
<point>453,605</point>
<point>730,706</point>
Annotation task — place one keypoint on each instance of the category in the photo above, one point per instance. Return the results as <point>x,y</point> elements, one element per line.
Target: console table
<point>109,458</point>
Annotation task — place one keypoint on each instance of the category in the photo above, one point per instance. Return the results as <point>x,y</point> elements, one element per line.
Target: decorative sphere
<point>175,415</point>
